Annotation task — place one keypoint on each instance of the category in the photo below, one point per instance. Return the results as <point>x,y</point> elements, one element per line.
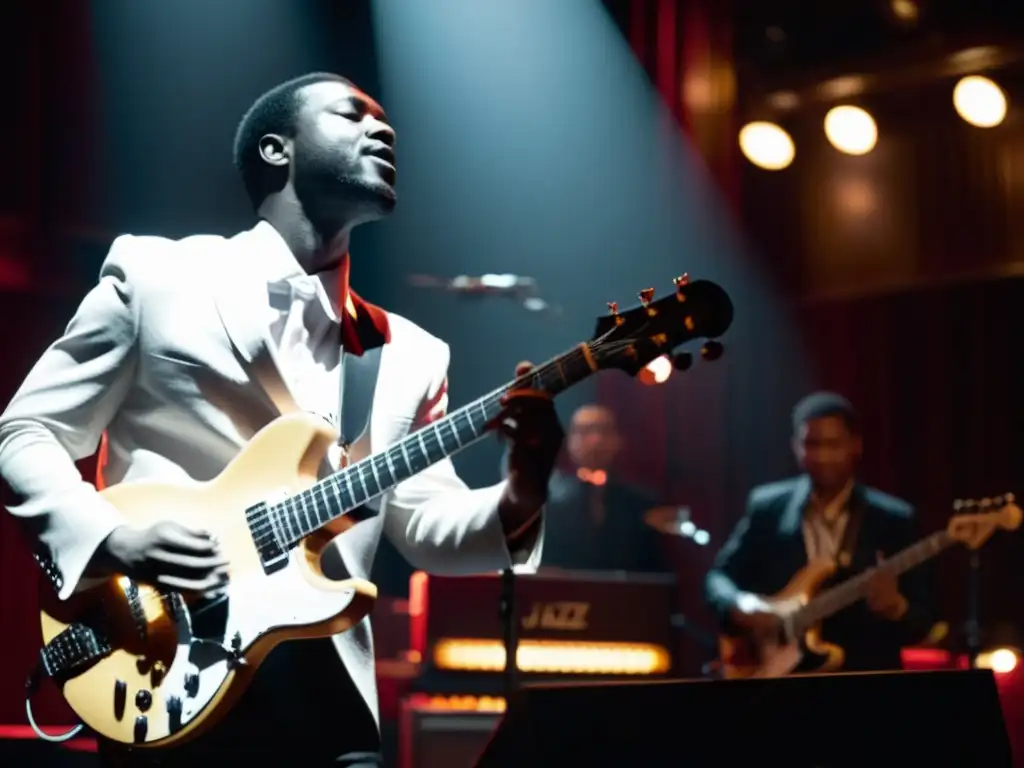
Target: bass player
<point>824,513</point>
<point>187,348</point>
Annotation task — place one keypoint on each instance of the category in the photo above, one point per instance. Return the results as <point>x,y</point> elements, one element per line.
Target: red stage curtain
<point>935,374</point>
<point>933,371</point>
<point>51,116</point>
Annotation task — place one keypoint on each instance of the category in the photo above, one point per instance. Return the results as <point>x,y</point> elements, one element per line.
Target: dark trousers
<point>301,709</point>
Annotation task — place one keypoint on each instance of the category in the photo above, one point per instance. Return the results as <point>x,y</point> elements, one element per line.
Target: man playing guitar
<point>186,349</point>
<point>824,514</point>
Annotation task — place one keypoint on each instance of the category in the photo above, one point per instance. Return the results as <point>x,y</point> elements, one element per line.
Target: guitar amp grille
<point>446,731</point>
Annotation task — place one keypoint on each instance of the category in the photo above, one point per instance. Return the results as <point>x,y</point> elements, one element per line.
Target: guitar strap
<point>357,382</point>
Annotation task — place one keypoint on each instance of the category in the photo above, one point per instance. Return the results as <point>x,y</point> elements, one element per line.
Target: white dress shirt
<point>825,524</point>
<point>304,320</point>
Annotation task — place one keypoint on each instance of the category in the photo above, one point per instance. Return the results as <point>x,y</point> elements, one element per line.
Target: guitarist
<point>823,513</point>
<point>186,348</point>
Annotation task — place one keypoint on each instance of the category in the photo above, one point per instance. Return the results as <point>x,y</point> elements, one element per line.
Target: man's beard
<point>331,190</point>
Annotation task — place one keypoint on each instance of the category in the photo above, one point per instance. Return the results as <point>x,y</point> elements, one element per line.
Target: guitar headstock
<point>630,340</point>
<point>975,520</point>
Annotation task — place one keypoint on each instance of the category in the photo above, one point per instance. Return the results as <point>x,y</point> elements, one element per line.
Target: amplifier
<point>570,624</point>
<point>446,731</point>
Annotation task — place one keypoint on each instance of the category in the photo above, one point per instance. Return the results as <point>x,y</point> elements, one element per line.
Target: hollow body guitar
<point>802,607</point>
<point>152,668</point>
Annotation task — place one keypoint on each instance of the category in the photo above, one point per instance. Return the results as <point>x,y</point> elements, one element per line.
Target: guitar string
<point>433,438</point>
<point>264,525</point>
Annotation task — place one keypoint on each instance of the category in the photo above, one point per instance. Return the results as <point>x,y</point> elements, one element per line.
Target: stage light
<point>656,372</point>
<point>1002,661</point>
<point>979,101</point>
<point>904,10</point>
<point>851,130</point>
<point>767,146</point>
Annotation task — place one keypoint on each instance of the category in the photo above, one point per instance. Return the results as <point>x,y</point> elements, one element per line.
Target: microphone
<point>507,285</point>
<point>494,284</point>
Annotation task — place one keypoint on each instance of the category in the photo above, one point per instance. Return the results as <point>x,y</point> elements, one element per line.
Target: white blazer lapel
<point>240,297</point>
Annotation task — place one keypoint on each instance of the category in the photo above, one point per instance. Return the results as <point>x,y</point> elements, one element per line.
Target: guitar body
<point>183,663</point>
<point>743,657</point>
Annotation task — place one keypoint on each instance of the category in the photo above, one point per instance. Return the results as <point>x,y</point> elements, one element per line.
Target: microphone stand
<point>972,627</point>
<point>507,613</point>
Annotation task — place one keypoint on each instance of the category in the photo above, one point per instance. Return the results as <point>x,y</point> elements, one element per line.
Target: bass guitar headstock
<point>975,520</point>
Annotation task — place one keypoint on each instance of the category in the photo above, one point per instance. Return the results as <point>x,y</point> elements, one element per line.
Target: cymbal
<point>675,521</point>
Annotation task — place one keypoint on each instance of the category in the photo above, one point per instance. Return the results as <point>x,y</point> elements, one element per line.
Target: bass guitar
<point>145,666</point>
<point>801,606</point>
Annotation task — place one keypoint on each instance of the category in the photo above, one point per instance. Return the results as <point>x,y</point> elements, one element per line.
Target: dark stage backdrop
<point>933,371</point>
<point>936,375</point>
<point>933,367</point>
<point>30,322</point>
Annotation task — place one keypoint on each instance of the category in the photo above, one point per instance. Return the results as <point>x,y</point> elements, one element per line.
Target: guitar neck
<point>850,591</point>
<point>355,485</point>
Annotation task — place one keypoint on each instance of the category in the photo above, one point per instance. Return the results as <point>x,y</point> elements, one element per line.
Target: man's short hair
<point>276,111</point>
<point>819,405</point>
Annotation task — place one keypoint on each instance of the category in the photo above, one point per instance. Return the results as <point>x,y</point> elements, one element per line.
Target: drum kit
<point>678,522</point>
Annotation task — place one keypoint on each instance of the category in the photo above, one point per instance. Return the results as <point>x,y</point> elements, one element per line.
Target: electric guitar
<point>144,666</point>
<point>802,607</point>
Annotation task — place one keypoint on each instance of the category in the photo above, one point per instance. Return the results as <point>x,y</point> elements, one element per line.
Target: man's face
<point>827,451</point>
<point>343,152</point>
<point>593,440</point>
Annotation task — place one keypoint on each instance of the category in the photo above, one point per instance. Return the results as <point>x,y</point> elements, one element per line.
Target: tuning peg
<point>1008,498</point>
<point>613,308</point>
<point>985,503</point>
<point>646,295</point>
<point>683,279</point>
<point>682,361</point>
<point>712,350</point>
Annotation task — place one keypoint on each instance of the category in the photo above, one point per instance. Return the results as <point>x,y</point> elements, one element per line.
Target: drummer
<point>594,520</point>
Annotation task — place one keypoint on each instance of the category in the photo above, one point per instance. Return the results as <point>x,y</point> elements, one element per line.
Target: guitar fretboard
<point>849,592</point>
<point>300,515</point>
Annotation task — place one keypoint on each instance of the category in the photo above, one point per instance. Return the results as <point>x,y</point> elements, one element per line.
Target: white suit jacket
<point>169,354</point>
